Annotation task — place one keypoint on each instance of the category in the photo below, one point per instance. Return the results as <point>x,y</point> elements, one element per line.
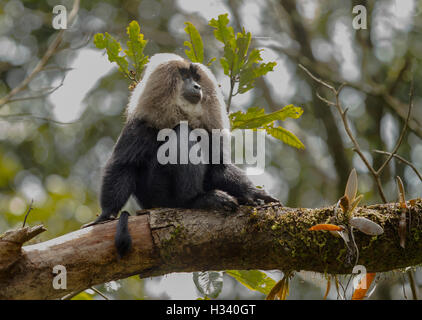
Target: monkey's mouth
<point>193,98</point>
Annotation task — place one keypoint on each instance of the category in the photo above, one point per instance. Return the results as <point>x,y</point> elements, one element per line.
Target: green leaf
<point>286,136</point>
<point>230,59</point>
<point>241,67</point>
<point>251,71</point>
<point>211,61</point>
<point>135,48</point>
<point>134,51</point>
<point>83,296</point>
<point>222,32</point>
<point>253,279</point>
<point>243,41</point>
<point>253,58</point>
<point>225,65</point>
<point>113,48</point>
<point>290,111</point>
<point>196,52</point>
<point>208,283</point>
<point>255,117</point>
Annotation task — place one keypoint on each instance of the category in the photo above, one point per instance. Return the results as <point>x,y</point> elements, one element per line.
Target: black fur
<point>122,239</point>
<point>133,169</point>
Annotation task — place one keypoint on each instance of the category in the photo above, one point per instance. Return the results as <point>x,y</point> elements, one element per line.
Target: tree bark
<point>179,240</point>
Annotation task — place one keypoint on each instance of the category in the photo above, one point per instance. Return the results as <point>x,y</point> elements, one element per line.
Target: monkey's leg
<point>231,179</point>
<point>117,186</point>
<point>215,200</point>
<point>189,189</point>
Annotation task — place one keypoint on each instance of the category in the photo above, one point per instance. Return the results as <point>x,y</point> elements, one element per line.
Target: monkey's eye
<point>194,72</point>
<point>184,72</point>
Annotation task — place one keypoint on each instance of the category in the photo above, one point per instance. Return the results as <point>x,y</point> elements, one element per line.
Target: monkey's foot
<point>93,223</point>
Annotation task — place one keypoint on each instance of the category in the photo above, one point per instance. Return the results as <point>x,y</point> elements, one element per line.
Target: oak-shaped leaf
<point>195,51</point>
<point>253,279</point>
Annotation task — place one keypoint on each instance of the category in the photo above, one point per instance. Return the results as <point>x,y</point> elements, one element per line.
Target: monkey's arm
<point>231,179</point>
<point>131,151</point>
<point>117,186</point>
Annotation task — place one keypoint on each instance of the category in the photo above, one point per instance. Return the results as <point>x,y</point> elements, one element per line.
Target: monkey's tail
<point>122,239</point>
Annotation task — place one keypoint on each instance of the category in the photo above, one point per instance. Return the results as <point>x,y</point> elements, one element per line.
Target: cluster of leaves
<point>243,67</point>
<point>348,204</point>
<point>256,118</point>
<point>133,55</point>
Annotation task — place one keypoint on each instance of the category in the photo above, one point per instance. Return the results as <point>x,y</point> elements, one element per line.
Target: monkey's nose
<point>197,86</point>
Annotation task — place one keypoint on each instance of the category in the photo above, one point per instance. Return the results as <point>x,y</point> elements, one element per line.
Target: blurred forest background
<point>57,134</point>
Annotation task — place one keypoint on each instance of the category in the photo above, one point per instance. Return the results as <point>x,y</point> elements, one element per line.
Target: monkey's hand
<point>256,197</point>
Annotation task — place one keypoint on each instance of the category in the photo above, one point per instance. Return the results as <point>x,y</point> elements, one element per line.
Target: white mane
<point>219,93</point>
<point>153,63</point>
<point>159,59</point>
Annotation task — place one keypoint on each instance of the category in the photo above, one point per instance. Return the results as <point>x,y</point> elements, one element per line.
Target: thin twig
<point>27,213</point>
<point>343,114</point>
<point>71,295</point>
<point>232,83</point>
<point>413,287</point>
<point>329,86</point>
<point>399,141</point>
<point>38,96</point>
<point>411,165</point>
<point>41,64</point>
<point>330,103</point>
<point>99,293</point>
<point>29,116</point>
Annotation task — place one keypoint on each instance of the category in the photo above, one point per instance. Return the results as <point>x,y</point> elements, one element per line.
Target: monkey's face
<point>191,89</point>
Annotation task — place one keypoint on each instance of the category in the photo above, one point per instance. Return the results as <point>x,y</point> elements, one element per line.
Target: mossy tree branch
<point>176,240</point>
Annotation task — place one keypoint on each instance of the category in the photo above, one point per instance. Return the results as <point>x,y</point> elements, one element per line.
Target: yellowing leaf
<point>253,279</point>
<point>280,290</point>
<point>134,51</point>
<point>326,227</point>
<point>351,186</point>
<point>135,48</point>
<point>286,136</point>
<point>355,203</point>
<point>195,45</point>
<point>344,204</point>
<point>222,32</point>
<point>363,286</point>
<point>256,117</point>
<point>113,48</point>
